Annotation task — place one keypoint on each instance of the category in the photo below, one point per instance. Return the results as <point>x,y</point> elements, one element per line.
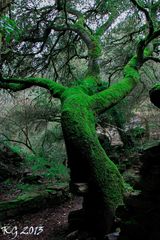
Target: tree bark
<point>89,163</point>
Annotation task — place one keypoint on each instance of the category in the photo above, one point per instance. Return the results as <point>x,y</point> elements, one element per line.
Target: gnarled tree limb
<point>17,84</point>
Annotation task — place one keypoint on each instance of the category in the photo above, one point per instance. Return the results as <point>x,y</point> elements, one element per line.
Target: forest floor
<point>52,220</point>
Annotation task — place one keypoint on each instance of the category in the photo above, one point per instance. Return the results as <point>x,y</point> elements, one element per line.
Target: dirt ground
<point>48,224</point>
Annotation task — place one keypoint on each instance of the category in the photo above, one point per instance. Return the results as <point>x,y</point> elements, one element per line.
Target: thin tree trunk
<point>125,137</point>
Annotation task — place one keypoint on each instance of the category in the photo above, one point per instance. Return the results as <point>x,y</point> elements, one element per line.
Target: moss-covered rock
<point>143,209</point>
<point>10,162</point>
<point>33,201</point>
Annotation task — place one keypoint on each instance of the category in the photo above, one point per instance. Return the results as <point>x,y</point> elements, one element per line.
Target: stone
<point>10,163</point>
<point>140,219</point>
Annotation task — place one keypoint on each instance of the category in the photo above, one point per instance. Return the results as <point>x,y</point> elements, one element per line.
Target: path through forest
<point>53,221</point>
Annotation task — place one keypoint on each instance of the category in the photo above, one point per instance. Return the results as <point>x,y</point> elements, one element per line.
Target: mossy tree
<point>90,96</point>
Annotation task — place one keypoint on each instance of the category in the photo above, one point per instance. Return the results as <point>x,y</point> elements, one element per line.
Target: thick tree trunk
<point>89,163</point>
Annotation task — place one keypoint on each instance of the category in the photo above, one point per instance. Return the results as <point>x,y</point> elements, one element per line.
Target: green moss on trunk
<point>88,161</point>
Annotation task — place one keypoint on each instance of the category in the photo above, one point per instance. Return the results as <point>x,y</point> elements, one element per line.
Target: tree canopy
<point>51,38</point>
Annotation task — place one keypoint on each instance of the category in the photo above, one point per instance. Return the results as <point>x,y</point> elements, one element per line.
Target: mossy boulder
<point>150,171</point>
<point>33,201</point>
<point>141,215</point>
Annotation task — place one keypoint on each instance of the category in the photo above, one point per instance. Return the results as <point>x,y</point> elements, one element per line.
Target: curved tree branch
<point>17,84</point>
<point>101,30</point>
<point>152,34</point>
<point>147,15</point>
<point>13,86</point>
<point>111,96</point>
<point>155,59</point>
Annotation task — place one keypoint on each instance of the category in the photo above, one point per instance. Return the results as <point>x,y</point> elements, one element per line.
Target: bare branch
<point>5,4</point>
<point>101,30</point>
<point>147,15</point>
<point>155,59</point>
<point>17,141</point>
<point>154,35</point>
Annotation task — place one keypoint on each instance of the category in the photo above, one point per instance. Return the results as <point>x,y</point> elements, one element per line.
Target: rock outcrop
<point>141,217</point>
<point>9,163</point>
